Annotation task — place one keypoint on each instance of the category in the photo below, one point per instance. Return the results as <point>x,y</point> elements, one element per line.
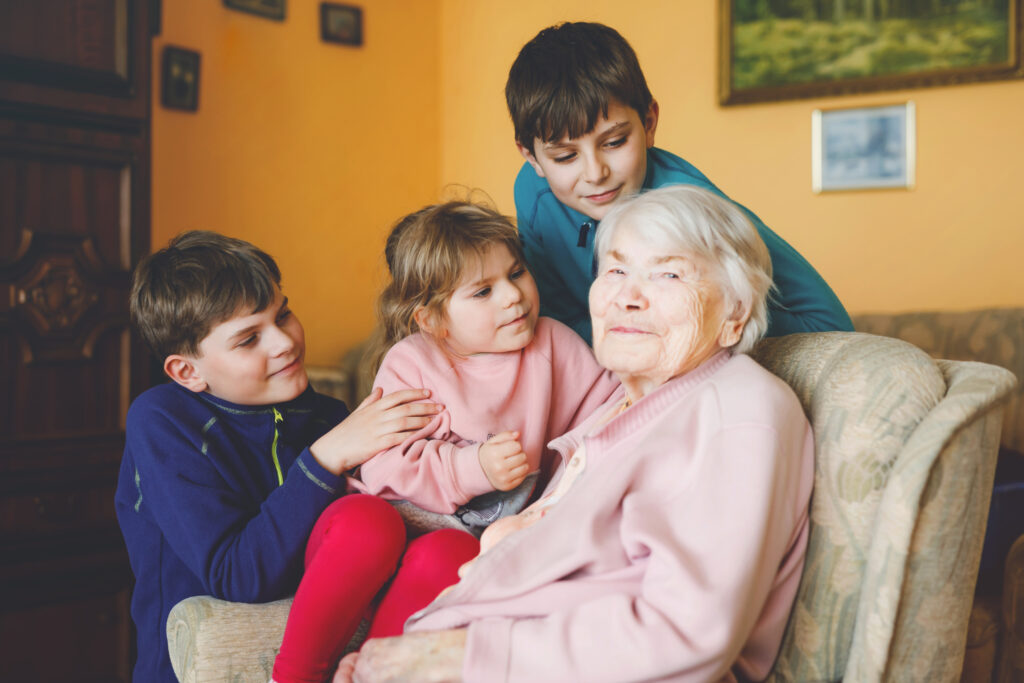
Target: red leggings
<point>353,550</point>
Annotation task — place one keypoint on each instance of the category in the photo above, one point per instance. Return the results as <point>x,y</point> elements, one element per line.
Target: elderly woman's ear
<point>732,326</point>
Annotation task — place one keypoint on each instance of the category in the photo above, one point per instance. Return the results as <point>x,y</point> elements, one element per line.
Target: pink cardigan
<point>676,554</point>
<point>543,390</point>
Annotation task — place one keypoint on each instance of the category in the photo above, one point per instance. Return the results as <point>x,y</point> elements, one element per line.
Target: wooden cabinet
<point>74,219</point>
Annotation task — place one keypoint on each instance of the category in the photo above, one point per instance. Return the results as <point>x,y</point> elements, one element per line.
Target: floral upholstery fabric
<point>905,452</point>
<point>993,335</point>
<point>214,640</point>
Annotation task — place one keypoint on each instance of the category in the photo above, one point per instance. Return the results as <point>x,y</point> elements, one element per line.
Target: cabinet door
<point>74,219</point>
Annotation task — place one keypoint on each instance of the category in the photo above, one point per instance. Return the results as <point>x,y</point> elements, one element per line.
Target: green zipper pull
<point>278,419</point>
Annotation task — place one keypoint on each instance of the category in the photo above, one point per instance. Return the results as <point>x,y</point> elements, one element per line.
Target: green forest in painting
<point>786,42</point>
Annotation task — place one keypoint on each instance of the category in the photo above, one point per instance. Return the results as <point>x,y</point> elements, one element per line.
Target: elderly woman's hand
<point>431,657</point>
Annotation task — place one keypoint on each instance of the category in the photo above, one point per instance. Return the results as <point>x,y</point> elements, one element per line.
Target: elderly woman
<point>670,543</point>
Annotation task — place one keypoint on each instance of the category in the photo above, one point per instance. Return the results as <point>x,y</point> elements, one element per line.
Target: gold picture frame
<point>767,53</point>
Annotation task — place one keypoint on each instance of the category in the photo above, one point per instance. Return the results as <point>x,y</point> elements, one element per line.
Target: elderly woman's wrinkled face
<point>657,311</point>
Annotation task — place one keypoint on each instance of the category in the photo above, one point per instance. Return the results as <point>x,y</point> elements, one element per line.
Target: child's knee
<point>442,548</point>
<point>359,520</point>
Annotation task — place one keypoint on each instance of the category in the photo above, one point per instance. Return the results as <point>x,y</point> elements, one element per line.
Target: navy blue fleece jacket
<point>217,499</point>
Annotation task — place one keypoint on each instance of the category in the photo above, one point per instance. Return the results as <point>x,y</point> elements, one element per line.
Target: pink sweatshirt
<point>675,555</point>
<point>543,391</point>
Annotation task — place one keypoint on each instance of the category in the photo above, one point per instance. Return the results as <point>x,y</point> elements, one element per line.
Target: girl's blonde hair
<point>426,253</point>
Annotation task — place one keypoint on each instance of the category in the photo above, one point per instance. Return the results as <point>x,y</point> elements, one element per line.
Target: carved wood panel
<point>87,47</point>
<point>66,276</point>
<point>74,219</point>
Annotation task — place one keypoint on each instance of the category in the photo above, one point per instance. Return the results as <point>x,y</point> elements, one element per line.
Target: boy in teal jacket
<point>584,121</point>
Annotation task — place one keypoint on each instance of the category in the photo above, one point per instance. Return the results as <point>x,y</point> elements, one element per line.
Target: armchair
<point>995,634</point>
<point>906,451</point>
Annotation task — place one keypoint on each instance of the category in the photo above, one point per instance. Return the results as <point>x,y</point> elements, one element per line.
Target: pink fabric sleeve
<point>581,384</point>
<point>426,469</point>
<point>709,556</point>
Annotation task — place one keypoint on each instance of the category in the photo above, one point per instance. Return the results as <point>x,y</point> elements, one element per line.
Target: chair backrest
<point>885,425</point>
<point>991,335</point>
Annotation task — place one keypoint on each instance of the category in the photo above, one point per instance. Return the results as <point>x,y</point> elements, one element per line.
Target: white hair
<point>701,222</point>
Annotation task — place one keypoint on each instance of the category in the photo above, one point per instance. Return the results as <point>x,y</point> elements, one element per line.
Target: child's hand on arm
<point>503,461</point>
<point>379,423</point>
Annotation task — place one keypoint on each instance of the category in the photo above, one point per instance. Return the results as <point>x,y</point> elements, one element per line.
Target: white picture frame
<point>863,148</point>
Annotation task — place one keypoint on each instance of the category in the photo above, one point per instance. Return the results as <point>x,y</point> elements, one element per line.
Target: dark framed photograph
<point>271,9</point>
<point>179,76</point>
<point>341,23</point>
<point>786,49</point>
<point>863,148</point>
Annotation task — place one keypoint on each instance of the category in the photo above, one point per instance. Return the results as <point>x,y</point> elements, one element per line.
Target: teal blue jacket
<point>559,246</point>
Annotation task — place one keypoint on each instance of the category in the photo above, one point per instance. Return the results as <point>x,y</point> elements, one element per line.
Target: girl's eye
<point>283,315</point>
<point>616,271</point>
<point>517,273</point>
<point>248,341</point>
<point>670,276</point>
<point>483,293</point>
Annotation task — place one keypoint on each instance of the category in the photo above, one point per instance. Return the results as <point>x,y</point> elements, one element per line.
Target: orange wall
<point>955,241</point>
<point>312,150</point>
<point>308,149</point>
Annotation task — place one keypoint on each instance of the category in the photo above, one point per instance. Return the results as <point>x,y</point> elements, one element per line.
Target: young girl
<point>460,318</point>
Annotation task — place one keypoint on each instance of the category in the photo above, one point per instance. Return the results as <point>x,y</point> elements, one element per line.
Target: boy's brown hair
<point>566,76</point>
<point>199,280</point>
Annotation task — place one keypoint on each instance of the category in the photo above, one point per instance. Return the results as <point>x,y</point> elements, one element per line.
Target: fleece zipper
<point>278,419</point>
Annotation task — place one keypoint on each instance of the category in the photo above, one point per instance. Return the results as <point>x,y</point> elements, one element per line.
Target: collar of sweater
<point>626,422</point>
<point>301,403</point>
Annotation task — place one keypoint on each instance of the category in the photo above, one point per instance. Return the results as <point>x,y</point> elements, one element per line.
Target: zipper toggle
<point>278,419</point>
<point>581,241</point>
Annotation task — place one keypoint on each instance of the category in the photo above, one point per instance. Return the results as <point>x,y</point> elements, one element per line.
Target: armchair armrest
<point>217,640</point>
<point>212,639</point>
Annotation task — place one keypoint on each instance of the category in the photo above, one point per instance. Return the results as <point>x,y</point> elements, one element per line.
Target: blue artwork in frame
<point>863,148</point>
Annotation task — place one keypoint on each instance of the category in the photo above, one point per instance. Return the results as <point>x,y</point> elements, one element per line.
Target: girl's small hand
<point>503,461</point>
<point>379,423</point>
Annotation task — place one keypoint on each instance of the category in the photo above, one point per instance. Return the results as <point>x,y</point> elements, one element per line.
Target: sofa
<point>906,449</point>
<point>995,640</point>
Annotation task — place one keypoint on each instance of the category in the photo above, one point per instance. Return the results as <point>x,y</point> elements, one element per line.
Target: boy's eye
<point>564,158</point>
<point>483,293</point>
<point>517,273</point>
<point>617,142</point>
<point>670,276</point>
<point>248,341</point>
<point>283,315</point>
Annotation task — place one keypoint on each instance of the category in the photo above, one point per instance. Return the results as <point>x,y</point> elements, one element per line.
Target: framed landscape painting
<point>785,49</point>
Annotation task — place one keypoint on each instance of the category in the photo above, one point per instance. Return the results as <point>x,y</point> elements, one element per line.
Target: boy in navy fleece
<point>584,121</point>
<point>227,468</point>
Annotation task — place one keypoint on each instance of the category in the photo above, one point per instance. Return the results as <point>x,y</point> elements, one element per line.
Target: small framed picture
<point>179,87</point>
<point>341,23</point>
<point>863,148</point>
<point>271,9</point>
